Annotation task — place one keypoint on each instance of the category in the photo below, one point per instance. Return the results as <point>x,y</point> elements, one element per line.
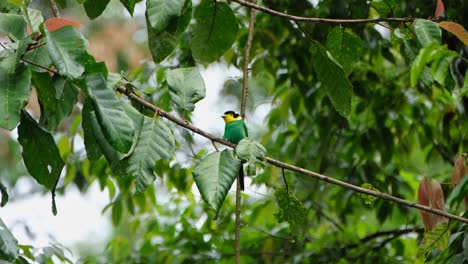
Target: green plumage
<point>235,131</point>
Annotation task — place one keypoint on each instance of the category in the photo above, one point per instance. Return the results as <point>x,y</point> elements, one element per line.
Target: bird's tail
<point>241,177</point>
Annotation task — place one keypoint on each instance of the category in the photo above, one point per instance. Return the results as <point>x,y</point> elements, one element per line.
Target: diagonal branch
<point>290,167</point>
<point>319,20</point>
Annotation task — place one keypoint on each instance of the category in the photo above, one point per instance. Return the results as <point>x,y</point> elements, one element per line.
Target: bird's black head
<point>232,113</point>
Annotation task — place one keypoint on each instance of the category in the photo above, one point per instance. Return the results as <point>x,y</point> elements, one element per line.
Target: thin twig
<point>237,230</point>
<point>214,145</point>
<point>285,181</point>
<point>39,66</point>
<point>318,19</point>
<point>55,9</point>
<point>290,167</point>
<point>248,46</point>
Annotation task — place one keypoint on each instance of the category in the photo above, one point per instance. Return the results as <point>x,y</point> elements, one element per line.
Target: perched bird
<point>234,131</point>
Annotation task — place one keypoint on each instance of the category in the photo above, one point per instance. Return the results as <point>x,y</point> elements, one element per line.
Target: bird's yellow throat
<point>230,118</point>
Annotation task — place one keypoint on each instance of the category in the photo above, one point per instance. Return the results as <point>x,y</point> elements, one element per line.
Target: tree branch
<point>394,233</point>
<point>248,45</point>
<point>290,167</point>
<point>55,9</point>
<point>321,20</point>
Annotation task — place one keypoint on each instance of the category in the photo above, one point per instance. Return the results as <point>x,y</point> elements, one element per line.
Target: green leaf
<point>252,152</point>
<point>34,18</point>
<point>57,97</point>
<point>214,176</point>
<point>424,56</point>
<point>13,26</point>
<point>4,193</point>
<point>14,94</point>
<point>427,32</point>
<point>441,65</point>
<point>163,42</point>
<point>161,13</point>
<point>437,238</point>
<point>129,5</point>
<point>345,47</point>
<point>116,125</point>
<point>333,78</point>
<point>39,56</point>
<point>458,193</point>
<point>186,87</point>
<point>383,7</point>
<point>94,8</point>
<point>117,211</point>
<point>214,32</point>
<point>8,244</point>
<point>465,247</point>
<point>156,142</point>
<point>66,47</point>
<point>91,145</point>
<point>290,210</point>
<point>40,154</point>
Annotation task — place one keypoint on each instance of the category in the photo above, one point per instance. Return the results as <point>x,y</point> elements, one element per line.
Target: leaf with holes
<point>333,79</point>
<point>186,87</point>
<point>290,210</point>
<point>214,176</point>
<point>13,26</point>
<point>456,29</point>
<point>8,244</point>
<point>14,94</point>
<point>40,154</point>
<point>156,142</point>
<point>214,32</point>
<point>252,152</point>
<point>115,124</point>
<point>427,32</point>
<point>66,47</point>
<point>345,47</point>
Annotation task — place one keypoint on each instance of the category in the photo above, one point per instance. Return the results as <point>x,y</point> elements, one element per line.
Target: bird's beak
<point>223,116</point>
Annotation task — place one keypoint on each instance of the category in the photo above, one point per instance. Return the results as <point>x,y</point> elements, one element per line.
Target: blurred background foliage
<point>395,135</point>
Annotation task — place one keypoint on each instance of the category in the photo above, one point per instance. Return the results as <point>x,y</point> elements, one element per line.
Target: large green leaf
<point>8,244</point>
<point>14,93</point>
<point>66,48</point>
<point>214,32</point>
<point>333,78</point>
<point>186,87</point>
<point>39,56</point>
<point>57,97</point>
<point>92,148</point>
<point>116,125</point>
<point>163,41</point>
<point>156,142</point>
<point>441,65</point>
<point>94,8</point>
<point>345,47</point>
<point>290,210</point>
<point>214,176</point>
<point>161,13</point>
<point>40,154</point>
<point>427,32</point>
<point>251,151</point>
<point>129,5</point>
<point>13,26</point>
<point>34,18</point>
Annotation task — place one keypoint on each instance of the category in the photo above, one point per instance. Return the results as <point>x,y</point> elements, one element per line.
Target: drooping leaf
<point>117,211</point>
<point>14,93</point>
<point>94,8</point>
<point>186,87</point>
<point>163,42</point>
<point>214,32</point>
<point>92,148</point>
<point>8,244</point>
<point>66,46</point>
<point>427,32</point>
<point>456,29</point>
<point>56,23</point>
<point>254,153</point>
<point>333,78</point>
<point>161,13</point>
<point>214,176</point>
<point>290,210</point>
<point>4,193</point>
<point>431,194</point>
<point>440,9</point>
<point>345,47</point>
<point>441,65</point>
<point>115,124</point>
<point>129,5</point>
<point>384,7</point>
<point>422,59</point>
<point>57,97</point>
<point>156,142</point>
<point>40,154</point>
<point>13,26</point>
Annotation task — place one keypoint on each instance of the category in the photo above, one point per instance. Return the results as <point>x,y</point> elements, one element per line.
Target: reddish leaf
<point>440,9</point>
<point>431,194</point>
<point>460,170</point>
<point>456,29</point>
<point>53,24</point>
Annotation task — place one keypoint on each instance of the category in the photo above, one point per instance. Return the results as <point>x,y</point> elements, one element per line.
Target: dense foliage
<point>378,105</point>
